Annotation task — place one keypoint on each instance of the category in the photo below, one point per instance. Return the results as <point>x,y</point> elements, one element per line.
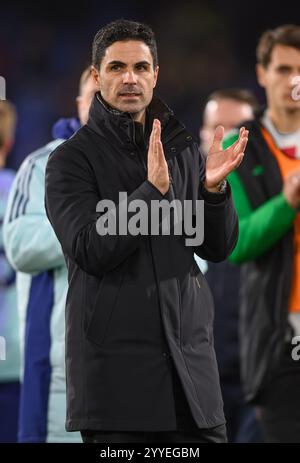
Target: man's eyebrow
<point>285,66</point>
<point>143,62</point>
<point>120,63</point>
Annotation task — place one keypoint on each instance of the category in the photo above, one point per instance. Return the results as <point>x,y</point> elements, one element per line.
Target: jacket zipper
<point>152,257</point>
<point>140,155</point>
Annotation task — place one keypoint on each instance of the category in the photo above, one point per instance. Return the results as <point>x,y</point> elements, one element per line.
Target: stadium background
<point>202,45</point>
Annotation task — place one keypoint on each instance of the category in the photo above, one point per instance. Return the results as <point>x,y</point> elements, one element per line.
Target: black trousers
<point>200,436</point>
<point>280,402</point>
<point>187,429</point>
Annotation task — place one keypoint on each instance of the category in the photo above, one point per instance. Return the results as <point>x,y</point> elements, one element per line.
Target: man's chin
<point>292,107</point>
<point>131,108</point>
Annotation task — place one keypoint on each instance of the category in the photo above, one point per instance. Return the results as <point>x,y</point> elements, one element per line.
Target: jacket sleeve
<point>29,240</point>
<point>220,222</point>
<point>261,228</point>
<point>71,199</point>
<point>7,273</point>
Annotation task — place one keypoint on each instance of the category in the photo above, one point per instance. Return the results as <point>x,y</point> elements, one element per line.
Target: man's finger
<point>149,158</point>
<point>160,153</point>
<point>237,161</point>
<point>151,139</point>
<point>242,143</point>
<point>217,141</point>
<point>158,126</point>
<point>157,132</point>
<point>152,145</point>
<point>156,138</point>
<point>243,132</point>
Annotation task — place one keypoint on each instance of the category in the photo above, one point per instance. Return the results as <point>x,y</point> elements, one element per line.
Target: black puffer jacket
<point>135,302</point>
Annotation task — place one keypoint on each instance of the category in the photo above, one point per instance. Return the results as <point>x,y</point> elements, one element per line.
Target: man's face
<point>223,111</point>
<point>88,90</point>
<point>278,78</point>
<point>126,78</point>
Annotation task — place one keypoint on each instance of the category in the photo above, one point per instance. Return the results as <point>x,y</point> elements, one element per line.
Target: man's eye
<point>141,67</point>
<point>284,70</point>
<point>115,67</point>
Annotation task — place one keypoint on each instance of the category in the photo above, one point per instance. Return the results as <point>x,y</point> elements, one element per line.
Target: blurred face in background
<point>88,88</point>
<point>126,77</point>
<point>8,120</point>
<point>223,111</point>
<point>278,78</point>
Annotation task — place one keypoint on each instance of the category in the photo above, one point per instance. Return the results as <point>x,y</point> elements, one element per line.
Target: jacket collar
<point>119,127</point>
<point>102,115</point>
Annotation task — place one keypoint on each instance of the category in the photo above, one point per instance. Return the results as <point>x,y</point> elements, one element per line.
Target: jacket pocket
<point>105,302</point>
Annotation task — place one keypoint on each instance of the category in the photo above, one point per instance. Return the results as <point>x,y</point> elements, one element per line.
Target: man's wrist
<point>220,188</point>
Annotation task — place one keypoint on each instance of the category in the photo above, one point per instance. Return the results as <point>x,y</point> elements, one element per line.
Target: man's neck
<point>137,117</point>
<point>140,117</point>
<point>285,121</point>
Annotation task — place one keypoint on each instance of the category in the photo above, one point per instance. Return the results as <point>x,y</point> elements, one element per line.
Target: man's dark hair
<point>288,35</point>
<point>241,95</point>
<point>122,30</point>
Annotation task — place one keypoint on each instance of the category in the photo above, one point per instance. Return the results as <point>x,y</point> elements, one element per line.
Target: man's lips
<point>129,94</point>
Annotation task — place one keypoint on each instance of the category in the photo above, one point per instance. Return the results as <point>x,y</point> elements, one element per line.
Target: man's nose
<point>129,77</point>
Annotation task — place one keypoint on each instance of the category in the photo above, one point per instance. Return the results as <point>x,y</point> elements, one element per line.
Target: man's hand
<point>158,173</point>
<point>219,163</point>
<point>291,189</point>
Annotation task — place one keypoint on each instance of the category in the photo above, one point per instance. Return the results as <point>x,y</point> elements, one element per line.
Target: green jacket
<point>260,228</point>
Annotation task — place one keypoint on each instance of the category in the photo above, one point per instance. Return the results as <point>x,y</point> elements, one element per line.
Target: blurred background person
<point>36,254</point>
<point>9,327</point>
<point>229,108</point>
<point>266,192</point>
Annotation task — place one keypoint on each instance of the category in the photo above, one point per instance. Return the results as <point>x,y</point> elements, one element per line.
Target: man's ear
<point>96,76</point>
<point>155,75</point>
<point>261,75</point>
<point>78,100</point>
